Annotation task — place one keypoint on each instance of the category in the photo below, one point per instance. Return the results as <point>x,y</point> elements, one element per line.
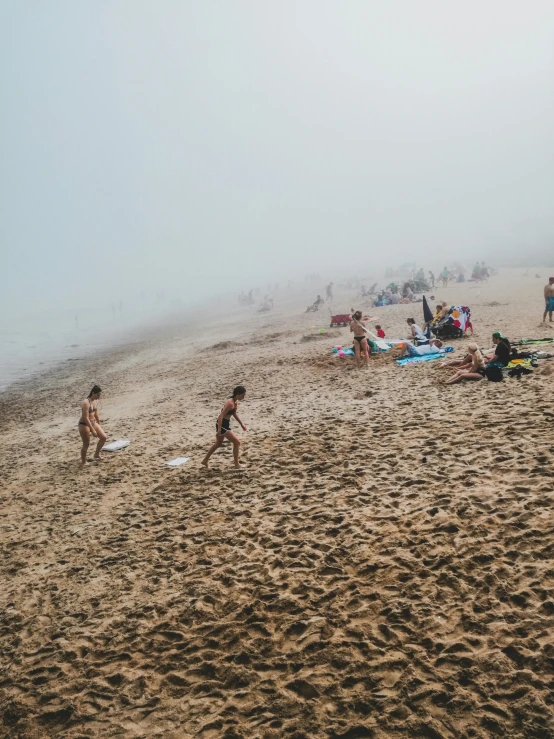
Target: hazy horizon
<point>198,148</point>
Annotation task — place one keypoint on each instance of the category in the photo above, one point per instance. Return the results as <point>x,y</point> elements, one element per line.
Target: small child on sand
<point>380,332</point>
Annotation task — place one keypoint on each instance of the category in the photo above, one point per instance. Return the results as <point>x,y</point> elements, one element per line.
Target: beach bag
<point>493,372</point>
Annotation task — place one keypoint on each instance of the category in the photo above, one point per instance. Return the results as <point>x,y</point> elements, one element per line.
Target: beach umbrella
<point>427,314</point>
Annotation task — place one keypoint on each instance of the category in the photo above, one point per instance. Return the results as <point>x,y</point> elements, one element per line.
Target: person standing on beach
<point>223,428</point>
<point>444,277</point>
<point>548,299</point>
<point>362,347</point>
<point>90,424</point>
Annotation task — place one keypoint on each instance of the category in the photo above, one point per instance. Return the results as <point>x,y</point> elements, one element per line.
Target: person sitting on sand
<point>464,362</point>
<point>416,333</point>
<point>379,330</point>
<point>315,305</point>
<point>476,371</point>
<point>90,424</point>
<point>361,343</point>
<point>409,350</point>
<point>502,350</point>
<point>437,315</point>
<point>223,429</point>
<point>548,299</point>
<point>444,310</point>
<point>407,294</point>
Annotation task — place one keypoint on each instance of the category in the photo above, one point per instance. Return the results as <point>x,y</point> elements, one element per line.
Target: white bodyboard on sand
<point>115,446</point>
<point>177,462</point>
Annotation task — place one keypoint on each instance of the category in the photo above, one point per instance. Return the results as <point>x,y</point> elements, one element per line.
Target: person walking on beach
<point>444,277</point>
<point>223,428</point>
<point>548,299</point>
<point>90,424</point>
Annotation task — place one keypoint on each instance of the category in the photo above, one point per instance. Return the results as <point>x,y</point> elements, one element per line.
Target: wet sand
<point>383,567</point>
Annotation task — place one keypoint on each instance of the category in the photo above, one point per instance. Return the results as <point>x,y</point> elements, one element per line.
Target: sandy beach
<point>383,567</point>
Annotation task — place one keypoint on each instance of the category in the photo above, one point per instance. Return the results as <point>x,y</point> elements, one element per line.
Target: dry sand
<point>382,568</point>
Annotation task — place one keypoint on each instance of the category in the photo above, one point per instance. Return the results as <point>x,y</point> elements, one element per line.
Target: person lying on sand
<point>90,424</point>
<point>409,350</point>
<point>475,372</point>
<point>361,344</point>
<point>223,429</point>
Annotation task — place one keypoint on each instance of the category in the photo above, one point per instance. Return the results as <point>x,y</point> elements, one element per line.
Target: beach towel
<point>455,323</point>
<point>439,354</point>
<point>532,342</point>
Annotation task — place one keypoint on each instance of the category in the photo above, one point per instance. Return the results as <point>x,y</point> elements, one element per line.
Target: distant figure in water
<point>548,299</point>
<point>223,427</point>
<point>90,424</point>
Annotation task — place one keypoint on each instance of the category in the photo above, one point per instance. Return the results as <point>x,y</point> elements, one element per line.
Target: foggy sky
<point>199,146</point>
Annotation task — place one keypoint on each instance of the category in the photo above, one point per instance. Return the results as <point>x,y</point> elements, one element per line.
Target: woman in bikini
<point>223,427</point>
<point>361,344</point>
<point>90,424</point>
<point>476,370</point>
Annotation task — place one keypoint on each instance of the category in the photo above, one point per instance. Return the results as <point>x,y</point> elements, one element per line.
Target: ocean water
<point>37,342</point>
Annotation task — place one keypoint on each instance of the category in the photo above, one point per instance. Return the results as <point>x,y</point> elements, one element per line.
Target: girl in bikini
<point>361,344</point>
<point>476,370</point>
<point>90,424</point>
<point>223,427</point>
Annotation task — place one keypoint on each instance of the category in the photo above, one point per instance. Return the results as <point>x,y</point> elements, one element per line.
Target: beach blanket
<point>439,354</point>
<point>532,342</point>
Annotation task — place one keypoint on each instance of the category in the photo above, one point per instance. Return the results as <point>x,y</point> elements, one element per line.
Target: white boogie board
<point>177,462</point>
<point>115,446</point>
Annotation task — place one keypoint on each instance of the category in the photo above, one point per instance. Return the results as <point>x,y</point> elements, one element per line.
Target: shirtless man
<point>548,299</point>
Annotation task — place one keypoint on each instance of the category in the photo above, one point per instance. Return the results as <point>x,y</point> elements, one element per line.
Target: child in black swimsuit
<point>223,427</point>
